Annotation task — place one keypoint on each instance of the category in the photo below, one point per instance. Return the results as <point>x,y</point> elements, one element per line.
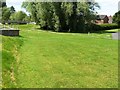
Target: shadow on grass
<point>96,32</point>
<point>13,36</point>
<point>103,32</point>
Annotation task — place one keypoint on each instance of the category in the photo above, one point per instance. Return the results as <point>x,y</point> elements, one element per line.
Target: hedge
<point>109,26</point>
<point>94,27</point>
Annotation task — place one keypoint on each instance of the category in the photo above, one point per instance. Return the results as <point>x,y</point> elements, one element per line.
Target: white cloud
<point>108,7</point>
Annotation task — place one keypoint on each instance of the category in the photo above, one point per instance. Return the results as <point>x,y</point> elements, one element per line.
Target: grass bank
<point>10,57</point>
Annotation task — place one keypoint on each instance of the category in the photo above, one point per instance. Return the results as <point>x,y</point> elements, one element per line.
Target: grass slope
<point>10,47</point>
<point>58,60</point>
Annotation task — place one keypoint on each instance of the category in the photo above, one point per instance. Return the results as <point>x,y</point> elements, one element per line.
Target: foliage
<point>94,27</point>
<point>9,15</point>
<point>30,7</point>
<point>12,9</point>
<point>62,16</point>
<point>5,14</point>
<point>27,19</point>
<point>109,26</point>
<point>2,3</point>
<point>18,16</point>
<point>116,17</point>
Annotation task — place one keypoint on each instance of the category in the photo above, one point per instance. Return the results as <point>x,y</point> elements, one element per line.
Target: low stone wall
<point>9,32</point>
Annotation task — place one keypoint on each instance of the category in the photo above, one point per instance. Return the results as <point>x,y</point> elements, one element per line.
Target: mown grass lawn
<point>58,60</point>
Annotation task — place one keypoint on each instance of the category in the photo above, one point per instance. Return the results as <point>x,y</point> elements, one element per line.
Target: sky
<point>108,7</point>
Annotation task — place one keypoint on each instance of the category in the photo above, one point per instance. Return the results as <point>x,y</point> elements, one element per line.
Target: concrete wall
<point>9,32</point>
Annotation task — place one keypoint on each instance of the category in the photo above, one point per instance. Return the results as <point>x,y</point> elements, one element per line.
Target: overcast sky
<point>108,7</point>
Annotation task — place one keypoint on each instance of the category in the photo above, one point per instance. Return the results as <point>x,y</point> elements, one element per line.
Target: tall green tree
<point>116,17</point>
<point>3,3</point>
<point>5,14</point>
<point>31,8</point>
<point>18,16</point>
<point>73,18</point>
<point>12,9</point>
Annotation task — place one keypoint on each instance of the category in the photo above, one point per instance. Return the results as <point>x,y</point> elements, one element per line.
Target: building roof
<point>101,17</point>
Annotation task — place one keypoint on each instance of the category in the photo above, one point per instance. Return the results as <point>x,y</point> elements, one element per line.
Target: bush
<point>94,27</point>
<point>109,26</point>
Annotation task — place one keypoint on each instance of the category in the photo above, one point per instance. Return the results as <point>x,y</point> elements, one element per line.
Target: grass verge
<point>10,57</point>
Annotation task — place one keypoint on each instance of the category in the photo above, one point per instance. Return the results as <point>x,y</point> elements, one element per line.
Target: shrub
<point>94,27</point>
<point>109,26</point>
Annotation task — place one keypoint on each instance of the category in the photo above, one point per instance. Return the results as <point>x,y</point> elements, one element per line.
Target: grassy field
<point>41,59</point>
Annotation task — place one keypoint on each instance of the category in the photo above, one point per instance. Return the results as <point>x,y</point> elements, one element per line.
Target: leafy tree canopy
<point>18,16</point>
<point>116,17</point>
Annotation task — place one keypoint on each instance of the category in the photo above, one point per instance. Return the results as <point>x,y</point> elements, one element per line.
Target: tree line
<point>57,16</point>
<point>10,15</point>
<point>62,16</point>
<point>116,17</point>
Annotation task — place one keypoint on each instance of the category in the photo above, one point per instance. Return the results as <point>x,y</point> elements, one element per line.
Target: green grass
<point>58,60</point>
<point>112,31</point>
<point>10,48</point>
